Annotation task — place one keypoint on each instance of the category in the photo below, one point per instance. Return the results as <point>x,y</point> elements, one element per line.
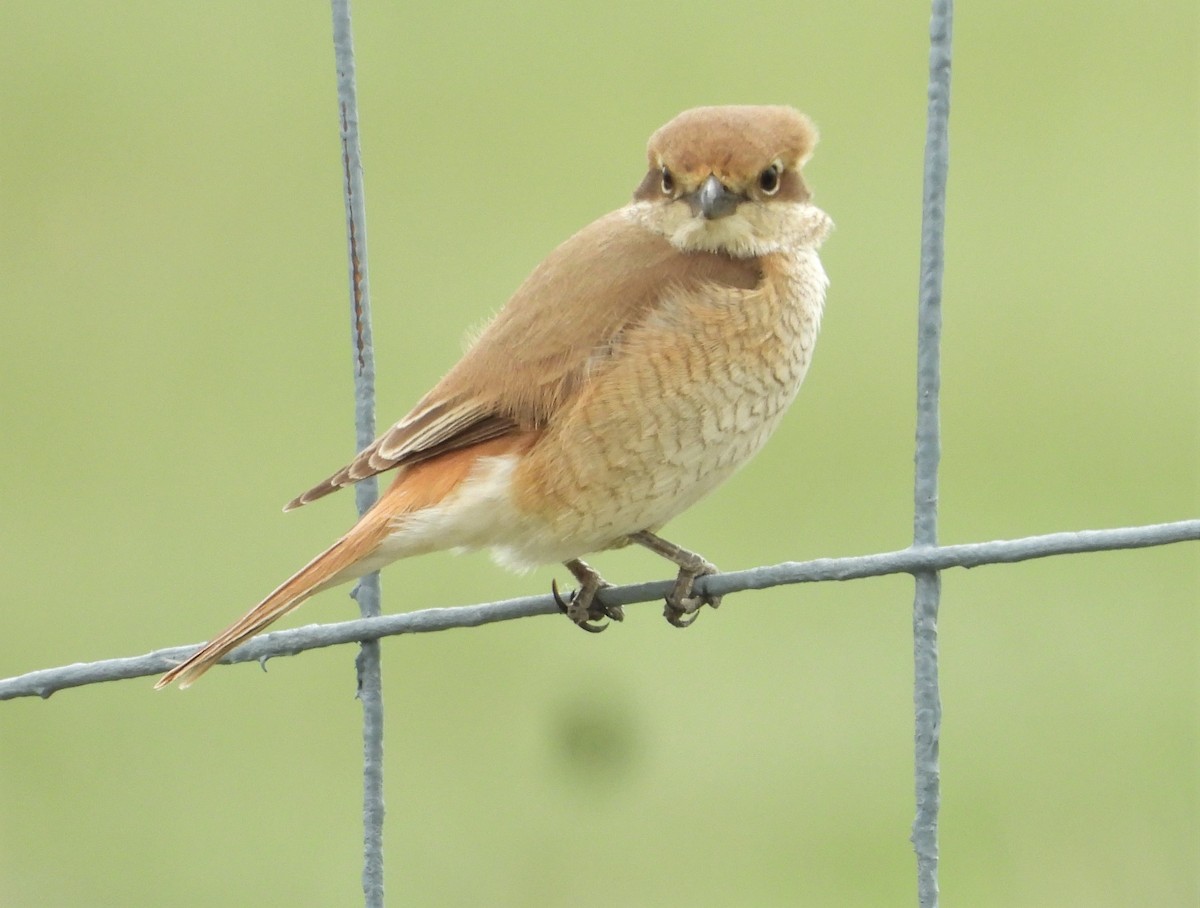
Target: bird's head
<point>727,179</point>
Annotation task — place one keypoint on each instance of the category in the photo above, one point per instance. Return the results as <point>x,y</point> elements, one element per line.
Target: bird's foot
<point>683,603</point>
<point>583,605</point>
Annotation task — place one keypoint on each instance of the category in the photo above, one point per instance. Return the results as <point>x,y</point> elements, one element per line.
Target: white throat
<point>754,229</point>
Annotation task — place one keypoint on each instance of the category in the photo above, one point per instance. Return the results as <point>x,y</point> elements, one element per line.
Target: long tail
<point>417,486</point>
<point>339,563</point>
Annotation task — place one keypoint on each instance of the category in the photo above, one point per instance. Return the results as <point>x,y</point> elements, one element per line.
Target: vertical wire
<point>367,592</point>
<point>927,704</point>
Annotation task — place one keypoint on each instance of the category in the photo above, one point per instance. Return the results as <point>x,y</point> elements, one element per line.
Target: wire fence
<point>45,682</point>
<point>367,592</point>
<point>924,560</point>
<point>927,698</point>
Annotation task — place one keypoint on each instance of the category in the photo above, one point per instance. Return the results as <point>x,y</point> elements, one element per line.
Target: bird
<point>639,365</point>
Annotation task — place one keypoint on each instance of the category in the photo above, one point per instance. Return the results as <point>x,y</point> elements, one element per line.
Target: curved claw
<point>570,607</point>
<point>558,599</point>
<point>676,616</point>
<point>682,607</point>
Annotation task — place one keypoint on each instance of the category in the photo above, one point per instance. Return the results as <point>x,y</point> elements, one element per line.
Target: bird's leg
<point>582,606</point>
<point>680,601</point>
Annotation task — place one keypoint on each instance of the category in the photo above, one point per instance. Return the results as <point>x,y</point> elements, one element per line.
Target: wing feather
<point>534,356</point>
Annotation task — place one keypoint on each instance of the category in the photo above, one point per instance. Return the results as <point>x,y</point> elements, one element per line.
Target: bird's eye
<point>668,182</point>
<point>768,180</point>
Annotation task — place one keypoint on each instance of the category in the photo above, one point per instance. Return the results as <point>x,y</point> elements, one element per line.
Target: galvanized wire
<point>927,703</point>
<point>367,591</point>
<point>44,682</point>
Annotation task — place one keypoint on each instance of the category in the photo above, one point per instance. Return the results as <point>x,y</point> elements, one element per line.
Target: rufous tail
<point>335,565</point>
<point>417,486</point>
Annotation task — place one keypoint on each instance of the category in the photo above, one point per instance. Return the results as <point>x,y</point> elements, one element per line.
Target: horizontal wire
<point>44,682</point>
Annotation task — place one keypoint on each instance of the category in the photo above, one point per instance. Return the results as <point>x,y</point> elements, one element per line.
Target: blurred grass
<point>174,367</point>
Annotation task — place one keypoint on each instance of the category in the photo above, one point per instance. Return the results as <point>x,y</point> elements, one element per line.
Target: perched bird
<point>645,360</point>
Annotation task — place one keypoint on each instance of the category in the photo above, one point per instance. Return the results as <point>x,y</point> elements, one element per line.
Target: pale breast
<point>683,400</point>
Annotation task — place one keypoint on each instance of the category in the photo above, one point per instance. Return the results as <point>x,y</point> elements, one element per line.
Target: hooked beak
<point>714,200</point>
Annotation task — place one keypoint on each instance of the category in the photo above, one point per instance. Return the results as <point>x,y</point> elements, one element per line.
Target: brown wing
<point>533,357</point>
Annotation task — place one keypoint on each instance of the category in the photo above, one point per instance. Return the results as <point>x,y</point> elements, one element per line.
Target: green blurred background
<point>175,365</point>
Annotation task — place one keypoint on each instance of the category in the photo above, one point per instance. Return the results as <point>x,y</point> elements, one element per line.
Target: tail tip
<point>184,673</point>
